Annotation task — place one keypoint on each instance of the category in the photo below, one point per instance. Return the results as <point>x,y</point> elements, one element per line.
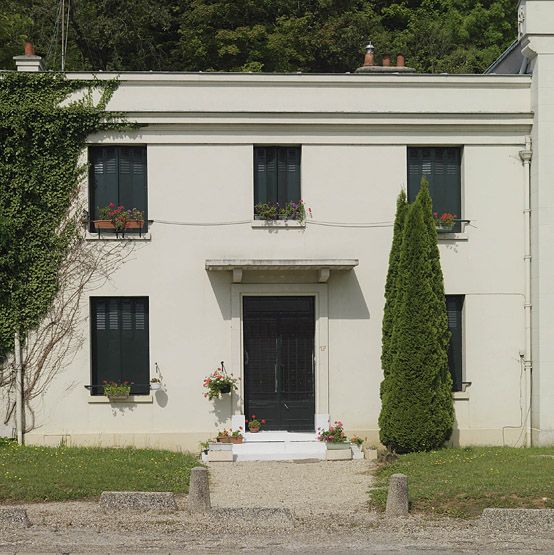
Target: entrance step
<point>263,437</point>
<point>279,446</point>
<point>279,450</point>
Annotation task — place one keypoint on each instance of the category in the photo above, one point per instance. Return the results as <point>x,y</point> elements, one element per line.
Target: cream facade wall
<point>354,131</point>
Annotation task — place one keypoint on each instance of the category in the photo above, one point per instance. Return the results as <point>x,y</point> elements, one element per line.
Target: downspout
<point>526,156</point>
<point>18,390</point>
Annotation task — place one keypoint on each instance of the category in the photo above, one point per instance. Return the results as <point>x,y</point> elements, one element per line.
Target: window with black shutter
<point>442,167</point>
<point>454,307</point>
<point>276,174</point>
<point>120,346</point>
<point>118,175</point>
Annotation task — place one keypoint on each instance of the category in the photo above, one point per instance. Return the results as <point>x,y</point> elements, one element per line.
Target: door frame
<point>321,340</point>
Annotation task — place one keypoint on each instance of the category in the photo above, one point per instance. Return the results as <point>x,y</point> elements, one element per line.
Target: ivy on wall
<point>43,130</point>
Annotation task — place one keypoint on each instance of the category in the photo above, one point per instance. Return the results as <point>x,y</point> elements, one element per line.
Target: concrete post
<point>397,499</point>
<point>199,491</point>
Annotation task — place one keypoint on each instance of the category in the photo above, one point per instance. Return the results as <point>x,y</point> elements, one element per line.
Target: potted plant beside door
<point>338,446</point>
<point>254,424</point>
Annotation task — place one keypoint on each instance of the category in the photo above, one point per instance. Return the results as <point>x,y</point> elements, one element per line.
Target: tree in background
<point>417,412</point>
<point>456,36</point>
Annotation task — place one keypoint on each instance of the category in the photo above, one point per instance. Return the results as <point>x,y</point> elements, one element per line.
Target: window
<point>454,307</point>
<point>118,175</point>
<point>120,347</point>
<point>276,174</point>
<point>441,166</point>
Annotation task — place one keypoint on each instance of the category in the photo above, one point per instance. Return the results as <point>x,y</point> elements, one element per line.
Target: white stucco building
<point>294,309</point>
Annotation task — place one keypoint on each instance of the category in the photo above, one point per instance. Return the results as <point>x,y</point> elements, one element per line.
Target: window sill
<point>460,395</point>
<point>269,224</point>
<point>113,237</point>
<point>452,237</point>
<point>101,399</point>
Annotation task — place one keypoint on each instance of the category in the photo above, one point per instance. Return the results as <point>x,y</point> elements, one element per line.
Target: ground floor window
<point>454,307</point>
<point>119,343</point>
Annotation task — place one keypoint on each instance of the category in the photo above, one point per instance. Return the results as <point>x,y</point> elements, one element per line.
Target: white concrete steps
<point>279,446</point>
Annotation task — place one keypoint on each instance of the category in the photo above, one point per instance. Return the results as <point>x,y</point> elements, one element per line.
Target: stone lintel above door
<point>322,267</point>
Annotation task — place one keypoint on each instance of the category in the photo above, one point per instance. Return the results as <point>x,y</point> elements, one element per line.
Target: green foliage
<point>417,411</point>
<point>59,474</point>
<point>390,286</point>
<point>462,482</point>
<point>41,141</point>
<point>456,36</point>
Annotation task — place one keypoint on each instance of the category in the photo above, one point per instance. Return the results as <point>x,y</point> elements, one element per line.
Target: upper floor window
<point>454,308</point>
<point>118,176</point>
<point>276,180</point>
<point>119,343</point>
<point>442,167</point>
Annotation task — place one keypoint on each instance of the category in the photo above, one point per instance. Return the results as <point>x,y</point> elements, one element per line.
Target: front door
<point>279,361</point>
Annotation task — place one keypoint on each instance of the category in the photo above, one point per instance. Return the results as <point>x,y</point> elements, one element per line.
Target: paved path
<point>307,488</point>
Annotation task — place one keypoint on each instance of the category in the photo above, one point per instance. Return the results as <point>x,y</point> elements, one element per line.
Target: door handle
<point>286,406</point>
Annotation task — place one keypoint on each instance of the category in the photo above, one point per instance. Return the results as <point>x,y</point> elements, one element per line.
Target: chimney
<point>370,67</point>
<point>29,61</point>
<point>369,59</point>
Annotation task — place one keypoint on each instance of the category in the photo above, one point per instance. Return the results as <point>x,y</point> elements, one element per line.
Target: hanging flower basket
<point>219,383</point>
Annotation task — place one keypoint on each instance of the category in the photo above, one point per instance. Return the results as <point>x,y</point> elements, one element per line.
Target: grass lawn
<point>462,482</point>
<point>62,473</point>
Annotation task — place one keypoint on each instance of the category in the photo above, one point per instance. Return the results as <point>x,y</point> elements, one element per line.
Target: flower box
<point>103,224</point>
<point>339,452</point>
<point>444,228</point>
<point>337,446</point>
<point>237,439</point>
<point>221,446</point>
<point>117,397</point>
<point>108,225</point>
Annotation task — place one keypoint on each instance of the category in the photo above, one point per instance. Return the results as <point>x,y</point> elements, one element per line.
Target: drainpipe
<point>526,156</point>
<point>18,390</point>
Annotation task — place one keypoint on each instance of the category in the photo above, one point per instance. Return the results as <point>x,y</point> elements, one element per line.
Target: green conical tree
<point>390,286</point>
<point>417,412</point>
<point>436,277</point>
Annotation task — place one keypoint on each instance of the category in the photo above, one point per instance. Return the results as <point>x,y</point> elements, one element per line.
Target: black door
<point>279,361</point>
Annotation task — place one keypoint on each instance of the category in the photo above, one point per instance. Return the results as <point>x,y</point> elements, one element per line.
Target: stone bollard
<point>397,499</point>
<point>199,491</point>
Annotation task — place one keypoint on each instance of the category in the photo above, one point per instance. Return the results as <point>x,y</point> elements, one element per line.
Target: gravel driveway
<point>307,488</point>
<point>330,515</point>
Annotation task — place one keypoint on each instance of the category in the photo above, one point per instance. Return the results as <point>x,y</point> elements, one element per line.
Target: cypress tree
<point>417,411</point>
<point>390,285</point>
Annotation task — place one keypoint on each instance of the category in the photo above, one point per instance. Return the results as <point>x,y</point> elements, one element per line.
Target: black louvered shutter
<point>118,175</point>
<point>442,167</point>
<point>103,179</point>
<point>132,179</point>
<point>120,345</point>
<point>454,307</point>
<point>276,174</point>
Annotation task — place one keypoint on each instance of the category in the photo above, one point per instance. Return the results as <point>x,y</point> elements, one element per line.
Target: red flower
<point>253,416</point>
<point>263,421</point>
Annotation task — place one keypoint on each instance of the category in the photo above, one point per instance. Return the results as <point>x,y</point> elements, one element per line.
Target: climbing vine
<point>45,119</point>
